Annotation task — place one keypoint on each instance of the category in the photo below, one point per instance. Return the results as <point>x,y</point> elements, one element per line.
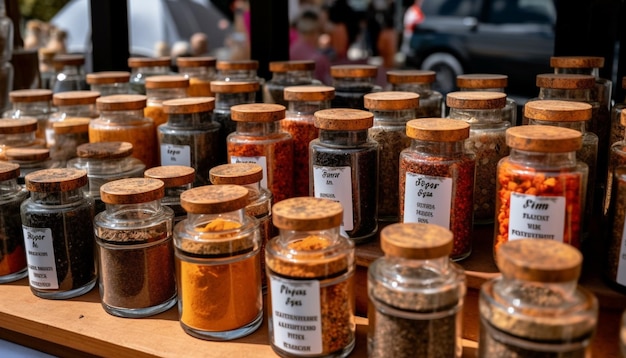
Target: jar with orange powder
<point>200,71</point>
<point>160,89</point>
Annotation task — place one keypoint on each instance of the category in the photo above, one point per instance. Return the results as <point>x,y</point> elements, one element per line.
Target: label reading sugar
<point>296,315</point>
<point>621,264</point>
<point>427,199</point>
<point>262,161</point>
<point>175,155</point>
<point>42,271</point>
<point>335,183</point>
<point>537,217</point>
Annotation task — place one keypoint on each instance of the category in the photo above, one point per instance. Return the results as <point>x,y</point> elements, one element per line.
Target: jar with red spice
<point>437,179</point>
<point>36,103</point>
<point>71,104</point>
<point>69,73</point>
<point>12,251</point>
<point>287,73</point>
<point>177,179</point>
<point>109,82</point>
<point>68,135</point>
<point>488,82</point>
<point>144,67</point>
<point>302,103</point>
<point>200,71</point>
<point>259,139</point>
<point>351,83</point>
<point>420,82</point>
<point>162,88</point>
<point>18,133</point>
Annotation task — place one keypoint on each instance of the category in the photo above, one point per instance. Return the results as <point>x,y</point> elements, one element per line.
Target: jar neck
<point>145,71</point>
<point>57,198</point>
<point>107,89</point>
<point>594,71</point>
<point>286,236</point>
<point>161,94</point>
<point>43,106</point>
<point>477,116</point>
<point>9,188</point>
<point>531,294</point>
<point>543,159</point>
<point>421,88</point>
<point>577,125</point>
<point>190,120</point>
<point>138,210</point>
<point>400,116</point>
<point>492,89</point>
<point>77,110</point>
<point>17,139</point>
<point>258,128</point>
<point>229,75</point>
<point>343,138</point>
<point>226,100</point>
<point>366,83</point>
<point>72,70</point>
<point>306,107</point>
<point>175,191</point>
<point>446,149</point>
<point>202,72</point>
<point>122,116</point>
<point>292,77</point>
<point>198,221</point>
<point>105,166</point>
<point>581,94</point>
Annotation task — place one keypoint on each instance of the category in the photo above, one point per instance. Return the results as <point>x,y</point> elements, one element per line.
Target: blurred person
<point>387,42</point>
<point>306,47</point>
<point>413,17</point>
<point>56,43</point>
<point>343,28</point>
<point>33,38</point>
<point>199,43</point>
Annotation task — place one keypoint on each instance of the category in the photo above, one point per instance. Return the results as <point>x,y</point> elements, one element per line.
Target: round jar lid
<point>56,180</point>
<point>576,62</point>
<point>73,60</point>
<point>549,139</point>
<point>9,170</point>
<point>286,66</point>
<point>121,102</point>
<point>416,241</point>
<point>257,112</point>
<point>135,62</point>
<point>411,76</point>
<point>214,199</point>
<point>482,80</point>
<point>27,154</point>
<point>30,95</point>
<point>341,119</point>
<point>565,81</point>
<point>557,111</point>
<point>104,150</point>
<point>172,175</point>
<point>201,61</point>
<point>391,100</point>
<point>437,129</point>
<point>167,81</point>
<point>309,93</point>
<point>72,98</point>
<point>476,100</point>
<point>236,173</point>
<point>189,105</point>
<point>18,125</point>
<point>307,214</point>
<point>71,125</point>
<point>107,77</point>
<point>357,71</point>
<point>234,86</point>
<point>237,65</point>
<point>132,191</point>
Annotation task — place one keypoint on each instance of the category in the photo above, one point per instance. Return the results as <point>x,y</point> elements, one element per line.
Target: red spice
<point>303,132</point>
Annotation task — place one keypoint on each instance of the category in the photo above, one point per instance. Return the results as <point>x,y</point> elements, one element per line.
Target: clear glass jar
<point>415,294</point>
<point>7,74</point>
<point>12,250</point>
<point>46,67</point>
<point>6,35</point>
<point>287,73</point>
<point>536,309</point>
<point>487,82</point>
<point>200,71</point>
<point>31,160</point>
<point>243,70</point>
<point>344,167</point>
<point>218,246</point>
<point>351,83</point>
<point>391,111</point>
<point>69,73</point>
<point>310,269</point>
<point>58,232</point>
<point>143,67</point>
<point>484,112</point>
<point>109,82</point>
<point>18,133</point>
<point>68,135</point>
<point>302,103</point>
<point>617,127</point>
<point>36,103</point>
<point>137,276</point>
<point>420,82</point>
<point>541,186</point>
<point>71,104</point>
<point>162,88</point>
<point>177,179</point>
<point>258,139</point>
<point>617,158</point>
<point>190,137</point>
<point>622,335</point>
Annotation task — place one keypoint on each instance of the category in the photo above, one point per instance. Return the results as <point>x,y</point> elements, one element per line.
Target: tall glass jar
<point>487,82</point>
<point>109,82</point>
<point>617,128</point>
<point>177,179</point>
<point>18,133</point>
<point>536,309</point>
<point>437,179</point>
<point>415,294</point>
<point>200,71</point>
<point>420,82</point>
<point>143,67</point>
<point>617,158</point>
<point>162,88</point>
<point>13,259</point>
<point>391,111</point>
<point>57,221</point>
<point>31,160</point>
<point>351,83</point>
<point>36,103</point>
<point>71,104</point>
<point>137,276</point>
<point>344,167</point>
<point>310,269</point>
<point>68,135</point>
<point>69,73</point>
<point>218,246</point>
<point>287,73</point>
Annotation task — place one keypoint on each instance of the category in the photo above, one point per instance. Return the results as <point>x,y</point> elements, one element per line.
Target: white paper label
<point>42,272</point>
<point>537,217</point>
<point>621,265</point>
<point>335,183</point>
<point>427,199</point>
<point>175,155</point>
<point>296,316</point>
<point>262,161</point>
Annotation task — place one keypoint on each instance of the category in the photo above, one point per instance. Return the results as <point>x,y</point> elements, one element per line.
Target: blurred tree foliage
<point>41,10</point>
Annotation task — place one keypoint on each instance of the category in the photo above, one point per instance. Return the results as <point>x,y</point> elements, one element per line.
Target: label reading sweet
<point>427,199</point>
<point>262,161</point>
<point>536,217</point>
<point>42,272</point>
<point>175,155</point>
<point>335,183</point>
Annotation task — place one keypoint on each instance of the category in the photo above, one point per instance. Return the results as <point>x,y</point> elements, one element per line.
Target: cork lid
<point>214,199</point>
<point>411,76</point>
<point>257,112</point>
<point>189,105</point>
<point>557,111</point>
<point>121,102</point>
<point>30,95</point>
<point>565,81</point>
<point>577,62</point>
<point>72,98</point>
<point>27,154</point>
<point>416,241</point>
<point>172,175</point>
<point>237,65</point>
<point>307,214</point>
<point>71,125</point>
<point>135,62</point>
<point>200,61</point>
<point>106,77</point>
<point>9,170</point>
<point>437,129</point>
<point>482,80</point>
<point>309,93</point>
<point>236,173</point>
<point>167,81</point>
<point>476,100</point>
<point>285,66</point>
<point>18,125</point>
<point>359,71</point>
<point>391,101</point>
<point>539,260</point>
<point>72,60</point>
<point>538,138</point>
<point>104,150</point>
<point>234,86</point>
<point>55,180</point>
<point>341,119</point>
<point>132,191</point>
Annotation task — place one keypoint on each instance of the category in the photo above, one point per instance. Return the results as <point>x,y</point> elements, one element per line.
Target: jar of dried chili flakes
<point>490,83</point>
<point>287,73</point>
<point>351,83</point>
<point>420,82</point>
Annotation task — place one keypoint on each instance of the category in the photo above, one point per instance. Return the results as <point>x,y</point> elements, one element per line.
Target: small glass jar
<point>302,103</point>
<point>57,221</point>
<point>137,276</point>
<point>486,82</point>
<point>18,133</point>
<point>218,246</point>
<point>143,67</point>
<point>69,73</point>
<point>541,186</point>
<point>258,139</point>
<point>617,158</point>
<point>71,104</point>
<point>617,128</point>
<point>36,103</point>
<point>177,179</point>
<point>415,294</point>
<point>109,82</point>
<point>344,167</point>
<point>68,135</point>
<point>437,179</point>
<point>162,88</point>
<point>420,82</point>
<point>351,83</point>
<point>31,160</point>
<point>243,70</point>
<point>12,251</point>
<point>287,73</point>
<point>536,309</point>
<point>310,269</point>
<point>190,137</point>
<point>200,71</point>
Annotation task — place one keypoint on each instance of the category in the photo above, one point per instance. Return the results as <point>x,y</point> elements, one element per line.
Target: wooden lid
<point>236,173</point>
<point>75,60</point>
<point>172,175</point>
<point>482,80</point>
<point>189,105</point>
<point>309,93</point>
<point>557,111</point>
<point>18,125</point>
<point>104,150</point>
<point>9,170</point>
<point>121,102</point>
<point>549,139</point>
<point>132,191</point>
<point>416,241</point>
<point>257,112</point>
<point>134,62</point>
<point>106,77</point>
<point>71,125</point>
<point>307,213</point>
<point>237,65</point>
<point>27,154</point>
<point>72,98</point>
<point>539,260</point>
<point>201,61</point>
<point>30,95</point>
<point>391,100</point>
<point>167,81</point>
<point>56,180</point>
<point>476,100</point>
<point>214,199</point>
<point>565,81</point>
<point>234,86</point>
<point>285,66</point>
<point>411,76</point>
<point>359,71</point>
<point>437,129</point>
<point>341,119</point>
<point>577,62</point>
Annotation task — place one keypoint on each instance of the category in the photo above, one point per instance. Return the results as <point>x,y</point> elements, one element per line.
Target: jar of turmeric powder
<point>144,67</point>
<point>12,251</point>
<point>109,82</point>
<point>310,268</point>
<point>177,179</point>
<point>217,262</point>
<point>200,71</point>
<point>420,82</point>
<point>162,88</point>
<point>287,73</point>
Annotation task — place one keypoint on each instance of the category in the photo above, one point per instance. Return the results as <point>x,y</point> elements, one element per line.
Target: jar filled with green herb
<point>287,73</point>
<point>351,83</point>
<point>420,82</point>
<point>12,249</point>
<point>143,67</point>
<point>109,82</point>
<point>487,82</point>
<point>200,71</point>
<point>177,179</point>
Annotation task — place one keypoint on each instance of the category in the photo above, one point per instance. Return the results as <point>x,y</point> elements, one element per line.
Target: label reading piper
<point>262,161</point>
<point>536,217</point>
<point>335,183</point>
<point>175,155</point>
<point>427,199</point>
<point>42,272</point>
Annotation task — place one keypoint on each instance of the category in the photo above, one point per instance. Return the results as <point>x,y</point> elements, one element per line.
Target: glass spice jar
<point>617,128</point>
<point>431,102</point>
<point>71,104</point>
<point>258,139</point>
<point>36,103</point>
<point>344,167</point>
<point>218,246</point>
<point>57,221</point>
<point>18,133</point>
<point>488,82</point>
<point>31,160</point>
<point>137,276</point>
<point>162,88</point>
<point>200,71</point>
<point>68,135</point>
<point>310,269</point>
<point>617,157</point>
<point>391,111</point>
<point>69,73</point>
<point>484,112</point>
<point>109,82</point>
<point>415,294</point>
<point>287,73</point>
<point>12,251</point>
<point>351,83</point>
<point>143,67</point>
<point>177,179</point>
<point>437,179</point>
<point>536,309</point>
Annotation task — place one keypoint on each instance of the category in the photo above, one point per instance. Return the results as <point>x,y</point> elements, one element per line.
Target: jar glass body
<point>18,140</point>
<point>509,112</point>
<point>349,91</point>
<point>200,78</point>
<point>221,115</point>
<point>109,89</point>
<point>431,103</point>
<point>137,81</point>
<point>273,90</point>
<point>33,165</point>
<point>64,112</point>
<point>172,200</point>
<point>260,208</point>
<point>155,99</point>
<point>13,261</point>
<point>38,109</point>
<point>70,78</point>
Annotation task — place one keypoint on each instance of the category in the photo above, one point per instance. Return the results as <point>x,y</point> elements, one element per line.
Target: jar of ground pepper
<point>31,160</point>
<point>415,294</point>
<point>137,276</point>
<point>418,81</point>
<point>143,67</point>
<point>177,179</point>
<point>344,167</point>
<point>536,309</point>
<point>487,82</point>
<point>391,111</point>
<point>437,179</point>
<point>35,103</point>
<point>13,254</point>
<point>69,73</point>
<point>218,246</point>
<point>617,157</point>
<point>109,82</point>
<point>287,73</point>
<point>57,221</point>
<point>200,71</point>
<point>71,104</point>
<point>351,83</point>
<point>310,268</point>
<point>18,133</point>
<point>68,135</point>
<point>162,88</point>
